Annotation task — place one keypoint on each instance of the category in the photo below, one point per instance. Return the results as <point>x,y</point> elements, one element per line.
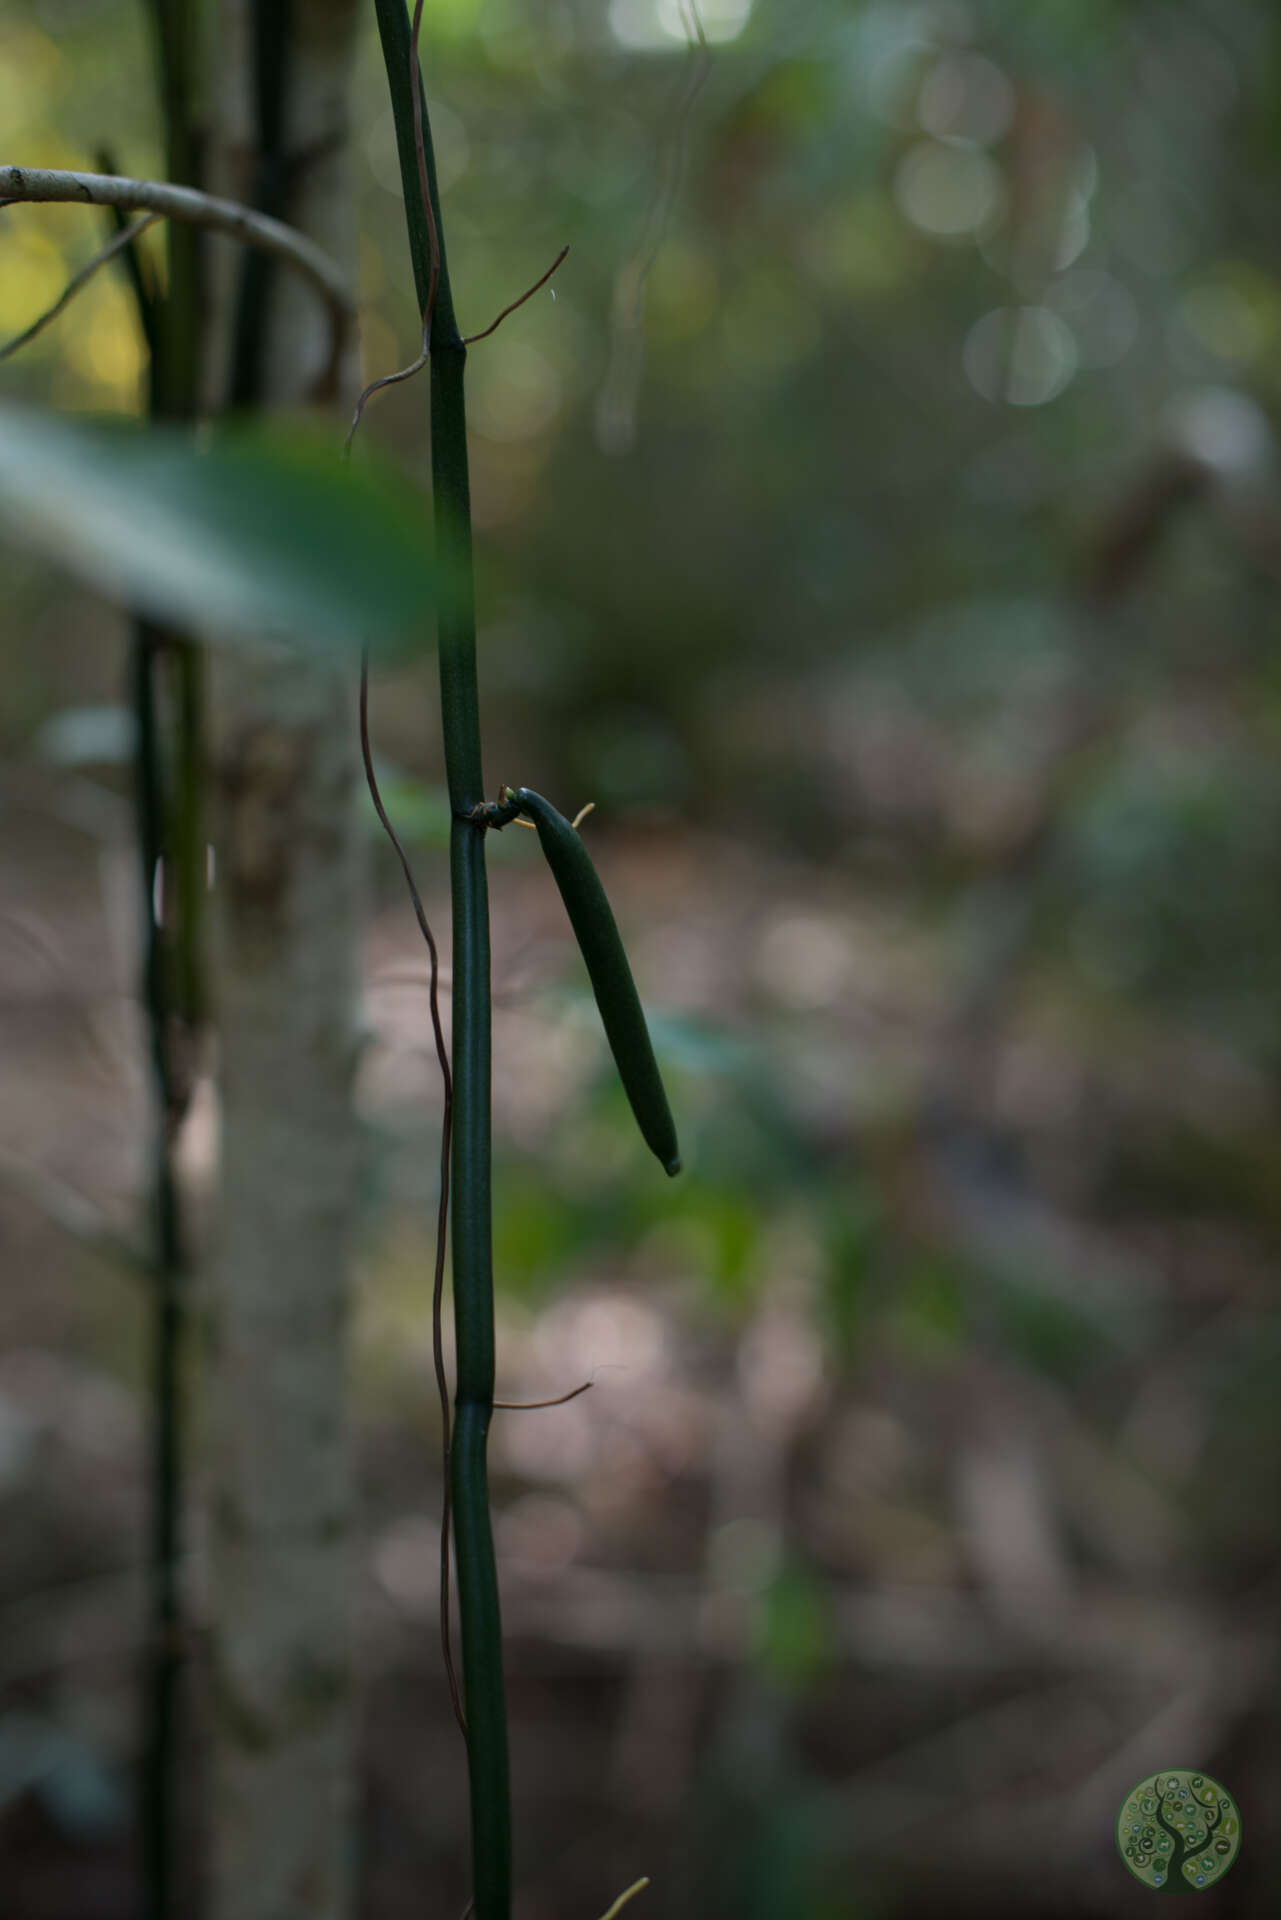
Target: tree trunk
<point>285,771</point>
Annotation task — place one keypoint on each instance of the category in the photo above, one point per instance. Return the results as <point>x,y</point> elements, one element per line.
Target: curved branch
<point>50,186</point>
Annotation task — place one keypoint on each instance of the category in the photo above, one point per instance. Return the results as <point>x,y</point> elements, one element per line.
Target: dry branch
<point>53,186</point>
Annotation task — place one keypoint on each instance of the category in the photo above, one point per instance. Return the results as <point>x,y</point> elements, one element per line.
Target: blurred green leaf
<point>731,1226</point>
<point>796,1637</point>
<point>930,1316</point>
<point>853,1239</point>
<point>264,534</point>
<point>536,1231</point>
<point>421,813</point>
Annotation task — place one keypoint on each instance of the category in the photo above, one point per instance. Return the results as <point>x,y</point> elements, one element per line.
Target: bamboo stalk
<point>170,971</point>
<point>170,827</point>
<point>162,1671</point>
<point>472,1229</point>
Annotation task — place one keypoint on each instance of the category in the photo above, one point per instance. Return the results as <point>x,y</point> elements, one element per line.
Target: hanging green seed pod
<point>601,946</point>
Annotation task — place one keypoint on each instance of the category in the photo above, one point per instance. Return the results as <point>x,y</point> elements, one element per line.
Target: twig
<point>416,365</point>
<point>55,186</point>
<point>532,1406</point>
<point>637,1886</point>
<point>121,240</point>
<point>429,305</point>
<point>387,380</point>
<point>470,339</point>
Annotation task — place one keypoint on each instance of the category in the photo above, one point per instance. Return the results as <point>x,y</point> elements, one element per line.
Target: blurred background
<point>880,524</point>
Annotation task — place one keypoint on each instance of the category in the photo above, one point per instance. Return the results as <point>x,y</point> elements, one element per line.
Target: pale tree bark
<point>285,764</point>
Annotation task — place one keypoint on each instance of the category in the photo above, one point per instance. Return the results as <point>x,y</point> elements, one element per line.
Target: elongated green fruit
<point>601,946</point>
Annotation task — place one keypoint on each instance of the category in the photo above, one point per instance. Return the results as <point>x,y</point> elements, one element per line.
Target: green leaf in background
<point>796,1642</point>
<point>261,535</point>
<point>421,812</point>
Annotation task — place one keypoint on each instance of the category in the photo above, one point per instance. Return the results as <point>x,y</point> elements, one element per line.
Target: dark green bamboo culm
<point>170,840</point>
<point>160,1682</point>
<point>162,1657</point>
<point>593,924</point>
<point>470,1182</point>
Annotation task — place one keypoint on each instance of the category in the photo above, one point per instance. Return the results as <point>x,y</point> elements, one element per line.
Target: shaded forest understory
<point>919,1493</point>
<point>879,524</point>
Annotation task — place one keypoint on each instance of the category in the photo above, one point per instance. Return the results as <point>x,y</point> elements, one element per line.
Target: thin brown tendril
<point>388,380</point>
<point>424,355</point>
<point>470,339</point>
<point>446,1135</point>
<point>531,1406</point>
<point>447,1116</point>
<point>442,1214</point>
<point>433,240</point>
<point>417,365</point>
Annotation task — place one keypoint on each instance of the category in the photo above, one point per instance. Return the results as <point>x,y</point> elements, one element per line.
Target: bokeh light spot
<point>654,25</point>
<point>1022,355</point>
<point>720,19</point>
<point>965,96</point>
<point>516,391</point>
<point>947,191</point>
<point>1225,321</point>
<point>1100,311</point>
<point>1224,428</point>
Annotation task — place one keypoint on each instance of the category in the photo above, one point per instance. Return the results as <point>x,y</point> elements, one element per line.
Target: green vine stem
<point>472,1230</point>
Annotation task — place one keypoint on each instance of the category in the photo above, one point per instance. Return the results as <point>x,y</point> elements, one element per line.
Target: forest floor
<point>922,1501</point>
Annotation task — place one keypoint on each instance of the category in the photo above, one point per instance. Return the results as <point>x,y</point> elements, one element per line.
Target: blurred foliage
<point>253,532</point>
